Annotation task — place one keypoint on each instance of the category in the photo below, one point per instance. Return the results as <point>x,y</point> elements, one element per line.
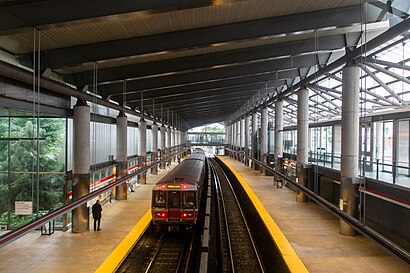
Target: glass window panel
<point>387,146</point>
<point>403,147</point>
<point>23,188</point>
<point>159,199</point>
<point>173,199</point>
<point>4,198</point>
<point>188,200</point>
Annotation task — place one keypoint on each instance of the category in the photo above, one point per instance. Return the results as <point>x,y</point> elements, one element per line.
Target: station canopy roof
<point>211,61</point>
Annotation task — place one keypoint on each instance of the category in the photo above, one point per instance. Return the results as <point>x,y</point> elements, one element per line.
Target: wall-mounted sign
<point>23,207</point>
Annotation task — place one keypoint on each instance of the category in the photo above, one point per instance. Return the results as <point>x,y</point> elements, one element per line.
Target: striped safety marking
<point>288,253</point>
<point>113,262</point>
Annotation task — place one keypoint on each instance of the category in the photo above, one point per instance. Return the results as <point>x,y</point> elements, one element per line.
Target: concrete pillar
<point>278,135</point>
<point>264,138</point>
<point>242,137</point>
<point>349,170</point>
<point>169,143</point>
<point>227,134</point>
<point>247,142</point>
<point>302,141</point>
<point>254,140</point>
<point>238,137</point>
<point>231,134</point>
<point>81,165</point>
<point>162,147</point>
<point>154,129</point>
<point>122,165</point>
<point>174,144</point>
<point>142,125</point>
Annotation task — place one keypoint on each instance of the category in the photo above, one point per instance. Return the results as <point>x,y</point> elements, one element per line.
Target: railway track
<point>159,252</point>
<point>177,252</point>
<point>237,250</point>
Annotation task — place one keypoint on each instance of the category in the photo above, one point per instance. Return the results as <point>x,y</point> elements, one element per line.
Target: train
<point>176,197</point>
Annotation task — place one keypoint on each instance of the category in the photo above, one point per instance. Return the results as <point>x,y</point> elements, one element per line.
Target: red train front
<point>175,198</point>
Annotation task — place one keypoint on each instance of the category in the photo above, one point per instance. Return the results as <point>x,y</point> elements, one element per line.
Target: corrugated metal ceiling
<point>143,24</point>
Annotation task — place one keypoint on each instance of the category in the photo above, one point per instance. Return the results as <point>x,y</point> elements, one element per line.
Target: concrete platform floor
<point>313,232</point>
<point>81,253</point>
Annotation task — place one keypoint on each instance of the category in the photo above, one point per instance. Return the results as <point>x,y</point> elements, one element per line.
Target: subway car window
<point>159,199</point>
<point>173,200</point>
<point>188,200</point>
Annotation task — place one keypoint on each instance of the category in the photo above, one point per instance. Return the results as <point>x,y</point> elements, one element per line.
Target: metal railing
<point>356,224</point>
<point>17,233</point>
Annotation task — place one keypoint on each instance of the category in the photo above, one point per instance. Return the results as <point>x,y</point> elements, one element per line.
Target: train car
<point>176,197</point>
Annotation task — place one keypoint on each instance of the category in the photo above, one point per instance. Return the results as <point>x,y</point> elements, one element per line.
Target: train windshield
<point>173,200</point>
<point>188,200</point>
<point>159,199</point>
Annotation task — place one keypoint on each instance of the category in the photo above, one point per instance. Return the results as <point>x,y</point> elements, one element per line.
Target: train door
<point>174,205</point>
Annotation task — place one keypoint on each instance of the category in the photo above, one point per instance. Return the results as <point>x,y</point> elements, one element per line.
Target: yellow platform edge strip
<point>116,257</point>
<point>292,260</point>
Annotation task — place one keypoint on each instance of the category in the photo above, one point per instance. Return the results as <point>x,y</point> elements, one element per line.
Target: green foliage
<point>46,154</point>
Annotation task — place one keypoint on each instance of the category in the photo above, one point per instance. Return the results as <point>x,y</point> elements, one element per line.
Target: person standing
<point>96,209</point>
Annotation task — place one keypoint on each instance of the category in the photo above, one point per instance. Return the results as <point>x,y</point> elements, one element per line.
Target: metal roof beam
<point>24,15</point>
<point>207,61</point>
<point>344,16</point>
<point>202,77</point>
<point>379,81</point>
<point>388,72</point>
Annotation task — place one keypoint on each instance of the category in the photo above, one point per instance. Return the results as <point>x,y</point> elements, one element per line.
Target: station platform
<point>85,252</point>
<point>311,230</point>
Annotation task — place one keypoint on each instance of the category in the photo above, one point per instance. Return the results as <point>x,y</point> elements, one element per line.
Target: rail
<point>15,234</point>
<point>235,223</point>
<point>223,227</point>
<point>356,224</point>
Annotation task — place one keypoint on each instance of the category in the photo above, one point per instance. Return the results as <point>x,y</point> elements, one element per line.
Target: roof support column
<point>122,165</point>
<point>174,143</point>
<point>242,137</point>
<point>143,149</point>
<point>302,141</point>
<point>168,145</point>
<point>278,135</point>
<point>154,129</point>
<point>246,131</point>
<point>81,165</point>
<point>264,138</point>
<point>237,137</point>
<point>349,169</point>
<point>254,140</point>
<point>162,146</point>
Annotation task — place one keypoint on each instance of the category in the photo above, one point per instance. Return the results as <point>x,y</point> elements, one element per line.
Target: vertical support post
<point>278,135</point>
<point>379,146</point>
<point>121,171</point>
<point>143,149</point>
<point>302,141</point>
<point>254,139</point>
<point>81,165</point>
<point>162,148</point>
<point>264,138</point>
<point>168,145</point>
<point>242,137</point>
<point>349,169</point>
<point>174,143</point>
<point>247,142</point>
<point>154,129</point>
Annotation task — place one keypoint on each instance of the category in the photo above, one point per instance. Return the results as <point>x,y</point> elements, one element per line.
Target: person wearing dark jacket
<point>96,208</point>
